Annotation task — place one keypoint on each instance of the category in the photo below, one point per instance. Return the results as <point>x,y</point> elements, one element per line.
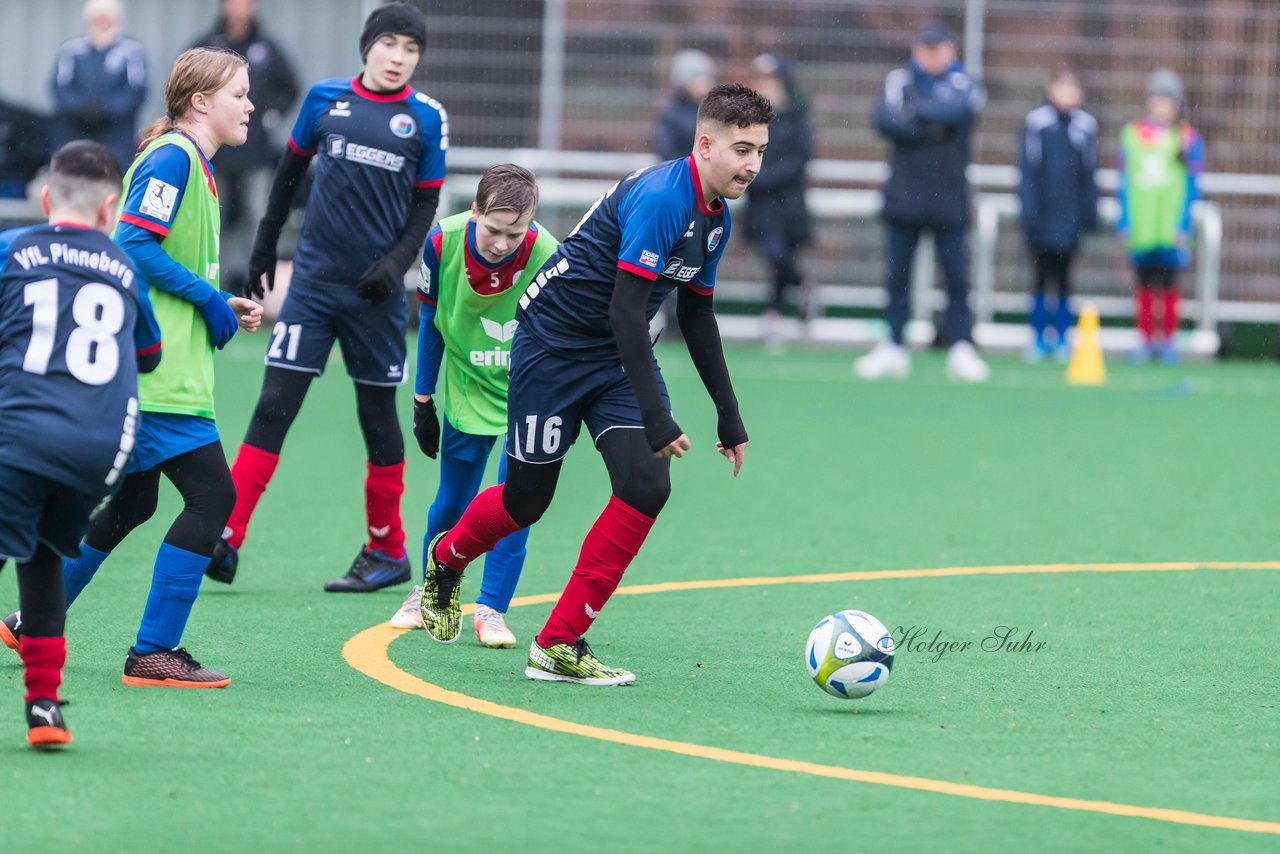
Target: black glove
<point>380,280</point>
<point>262,262</point>
<point>426,427</point>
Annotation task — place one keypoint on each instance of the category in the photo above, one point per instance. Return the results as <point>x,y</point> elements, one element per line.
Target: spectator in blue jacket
<point>1058,157</point>
<point>99,83</point>
<point>776,218</point>
<point>927,113</point>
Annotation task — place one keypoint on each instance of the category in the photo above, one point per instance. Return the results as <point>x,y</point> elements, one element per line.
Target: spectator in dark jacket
<point>99,83</point>
<point>245,171</point>
<point>776,217</point>
<point>1058,157</point>
<point>927,113</point>
<point>693,73</point>
<point>24,148</point>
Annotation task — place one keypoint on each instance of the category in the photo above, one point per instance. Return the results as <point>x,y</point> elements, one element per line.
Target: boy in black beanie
<point>379,147</point>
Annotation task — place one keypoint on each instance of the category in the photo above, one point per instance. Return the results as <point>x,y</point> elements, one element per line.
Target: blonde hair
<point>201,69</point>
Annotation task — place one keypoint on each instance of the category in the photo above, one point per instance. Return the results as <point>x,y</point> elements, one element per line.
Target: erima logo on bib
<point>498,331</point>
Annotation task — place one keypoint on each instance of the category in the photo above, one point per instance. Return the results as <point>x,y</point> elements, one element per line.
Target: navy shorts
<point>34,508</point>
<point>550,397</point>
<point>370,335</point>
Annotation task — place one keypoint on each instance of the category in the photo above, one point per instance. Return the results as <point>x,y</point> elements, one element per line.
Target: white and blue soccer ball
<point>849,654</point>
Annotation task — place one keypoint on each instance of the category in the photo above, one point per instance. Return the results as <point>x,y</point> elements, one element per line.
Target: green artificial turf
<point>1153,689</point>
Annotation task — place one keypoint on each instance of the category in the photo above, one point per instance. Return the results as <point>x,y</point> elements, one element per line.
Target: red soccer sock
<point>251,472</point>
<point>382,490</point>
<point>1170,325</point>
<point>42,660</point>
<point>483,523</point>
<point>1146,323</point>
<point>608,550</point>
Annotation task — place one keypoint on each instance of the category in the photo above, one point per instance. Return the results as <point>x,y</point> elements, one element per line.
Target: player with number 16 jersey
<point>582,355</point>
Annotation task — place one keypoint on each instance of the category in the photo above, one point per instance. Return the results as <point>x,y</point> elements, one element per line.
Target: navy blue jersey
<point>653,223</point>
<point>74,318</point>
<point>371,151</point>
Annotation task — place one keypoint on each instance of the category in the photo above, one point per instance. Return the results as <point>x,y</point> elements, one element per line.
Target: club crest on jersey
<point>337,145</point>
<point>403,125</point>
<point>713,239</point>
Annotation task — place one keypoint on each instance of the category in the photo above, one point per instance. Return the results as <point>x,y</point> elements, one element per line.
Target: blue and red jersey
<point>74,319</point>
<point>371,151</point>
<point>653,223</point>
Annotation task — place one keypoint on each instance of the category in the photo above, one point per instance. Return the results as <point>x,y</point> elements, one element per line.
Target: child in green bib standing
<point>475,267</point>
<point>1161,158</point>
<point>169,227</point>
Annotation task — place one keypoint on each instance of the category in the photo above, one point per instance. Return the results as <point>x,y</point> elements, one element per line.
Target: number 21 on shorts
<point>550,434</point>
<point>285,339</point>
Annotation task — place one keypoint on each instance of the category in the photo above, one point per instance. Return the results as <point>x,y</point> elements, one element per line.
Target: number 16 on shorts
<point>539,437</point>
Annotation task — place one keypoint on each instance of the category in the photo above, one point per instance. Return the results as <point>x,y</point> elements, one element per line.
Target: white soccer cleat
<point>885,361</point>
<point>410,614</point>
<point>965,365</point>
<point>491,628</point>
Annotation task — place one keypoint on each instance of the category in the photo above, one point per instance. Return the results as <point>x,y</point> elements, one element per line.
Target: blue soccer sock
<point>175,582</point>
<point>1063,320</point>
<point>1039,318</point>
<point>76,574</point>
<point>502,568</point>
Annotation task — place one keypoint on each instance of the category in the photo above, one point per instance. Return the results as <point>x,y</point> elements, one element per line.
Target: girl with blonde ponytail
<point>169,227</point>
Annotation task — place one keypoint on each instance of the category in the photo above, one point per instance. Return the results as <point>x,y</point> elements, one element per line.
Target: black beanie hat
<point>399,19</point>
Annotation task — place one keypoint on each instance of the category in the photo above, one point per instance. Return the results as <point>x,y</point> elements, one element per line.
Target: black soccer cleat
<point>11,630</point>
<point>45,726</point>
<point>222,566</point>
<point>371,570</point>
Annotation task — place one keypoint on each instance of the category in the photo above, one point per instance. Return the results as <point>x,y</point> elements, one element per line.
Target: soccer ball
<point>849,654</point>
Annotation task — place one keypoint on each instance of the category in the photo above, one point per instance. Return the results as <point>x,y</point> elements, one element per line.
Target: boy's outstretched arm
<point>696,314</point>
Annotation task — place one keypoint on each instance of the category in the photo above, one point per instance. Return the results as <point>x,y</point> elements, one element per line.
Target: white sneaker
<point>410,614</point>
<point>491,628</point>
<point>885,360</point>
<point>771,333</point>
<point>964,364</point>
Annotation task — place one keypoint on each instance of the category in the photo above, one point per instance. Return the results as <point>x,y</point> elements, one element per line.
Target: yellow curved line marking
<point>367,653</point>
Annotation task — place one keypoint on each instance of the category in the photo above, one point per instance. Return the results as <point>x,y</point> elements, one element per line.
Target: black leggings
<point>1054,267</point>
<point>208,496</point>
<point>42,595</point>
<point>281,399</point>
<point>1157,276</point>
<point>639,479</point>
<point>780,254</point>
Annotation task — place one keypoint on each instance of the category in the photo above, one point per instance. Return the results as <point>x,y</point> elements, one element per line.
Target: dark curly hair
<point>736,105</point>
